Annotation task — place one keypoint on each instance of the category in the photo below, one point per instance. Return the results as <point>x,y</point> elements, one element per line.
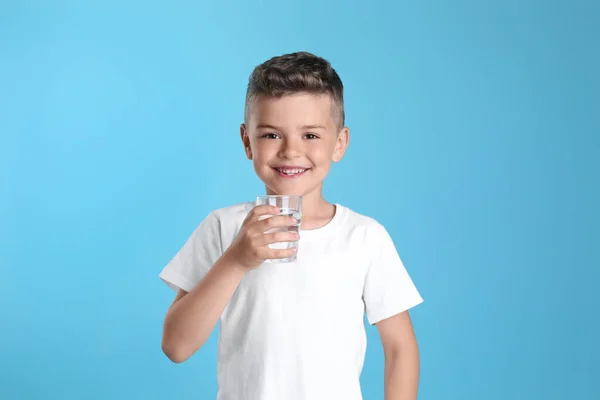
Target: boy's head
<point>294,122</point>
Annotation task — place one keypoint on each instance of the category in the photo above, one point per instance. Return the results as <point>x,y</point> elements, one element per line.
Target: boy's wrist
<point>232,264</point>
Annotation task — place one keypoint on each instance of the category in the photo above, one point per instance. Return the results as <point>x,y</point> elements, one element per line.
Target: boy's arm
<point>401,357</point>
<point>193,316</point>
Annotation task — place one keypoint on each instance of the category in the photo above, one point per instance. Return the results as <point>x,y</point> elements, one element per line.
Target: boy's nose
<point>290,149</point>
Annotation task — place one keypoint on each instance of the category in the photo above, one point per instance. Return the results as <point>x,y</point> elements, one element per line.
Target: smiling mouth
<point>291,172</point>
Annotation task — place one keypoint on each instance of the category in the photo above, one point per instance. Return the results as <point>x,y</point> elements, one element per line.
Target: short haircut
<point>299,72</point>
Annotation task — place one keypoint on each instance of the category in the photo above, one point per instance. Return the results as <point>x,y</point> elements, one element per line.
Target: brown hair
<point>296,73</point>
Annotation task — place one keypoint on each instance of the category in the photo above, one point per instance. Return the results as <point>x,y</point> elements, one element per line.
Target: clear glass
<point>288,205</point>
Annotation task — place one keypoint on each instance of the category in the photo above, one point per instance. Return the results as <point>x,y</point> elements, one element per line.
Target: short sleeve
<point>388,289</point>
<point>196,257</point>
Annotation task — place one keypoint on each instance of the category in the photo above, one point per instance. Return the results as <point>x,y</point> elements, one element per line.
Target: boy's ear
<point>246,141</point>
<point>341,144</point>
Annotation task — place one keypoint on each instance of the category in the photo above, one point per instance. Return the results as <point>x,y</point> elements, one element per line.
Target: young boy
<point>293,331</point>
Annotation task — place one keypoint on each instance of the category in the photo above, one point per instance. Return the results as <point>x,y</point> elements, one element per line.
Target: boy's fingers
<point>261,210</point>
<point>258,211</point>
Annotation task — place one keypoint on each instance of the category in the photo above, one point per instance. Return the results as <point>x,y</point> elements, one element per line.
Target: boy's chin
<point>280,190</point>
<point>288,187</point>
<point>286,192</point>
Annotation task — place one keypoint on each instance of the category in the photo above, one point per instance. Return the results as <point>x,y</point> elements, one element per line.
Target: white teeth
<point>291,171</point>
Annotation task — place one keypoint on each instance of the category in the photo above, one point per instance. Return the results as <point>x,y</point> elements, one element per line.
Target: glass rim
<point>266,196</point>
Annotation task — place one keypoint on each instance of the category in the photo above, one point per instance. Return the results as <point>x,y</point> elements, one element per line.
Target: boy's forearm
<point>191,320</point>
<point>402,374</point>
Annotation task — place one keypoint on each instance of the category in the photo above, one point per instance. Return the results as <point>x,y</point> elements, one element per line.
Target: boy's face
<point>292,141</point>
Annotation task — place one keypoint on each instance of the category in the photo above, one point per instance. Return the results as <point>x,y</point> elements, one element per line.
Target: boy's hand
<point>251,248</point>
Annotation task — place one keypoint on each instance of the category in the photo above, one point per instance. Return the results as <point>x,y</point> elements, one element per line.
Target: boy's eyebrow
<point>267,126</point>
<point>303,127</point>
<point>313,127</point>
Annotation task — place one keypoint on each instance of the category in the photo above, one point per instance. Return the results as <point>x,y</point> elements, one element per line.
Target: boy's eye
<point>270,135</point>
<point>311,136</point>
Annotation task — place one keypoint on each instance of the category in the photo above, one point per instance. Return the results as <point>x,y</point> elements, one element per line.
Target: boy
<point>293,331</point>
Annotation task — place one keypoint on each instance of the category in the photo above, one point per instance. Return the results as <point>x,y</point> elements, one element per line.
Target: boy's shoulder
<point>230,216</point>
<point>353,220</point>
<point>233,211</point>
<point>357,218</point>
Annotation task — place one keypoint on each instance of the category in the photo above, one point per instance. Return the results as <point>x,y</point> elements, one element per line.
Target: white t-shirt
<point>295,331</point>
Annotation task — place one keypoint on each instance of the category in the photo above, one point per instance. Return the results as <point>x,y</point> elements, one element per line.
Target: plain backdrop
<point>474,141</point>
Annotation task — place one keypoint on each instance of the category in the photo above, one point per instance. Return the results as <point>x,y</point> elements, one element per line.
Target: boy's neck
<point>316,212</point>
<point>316,207</point>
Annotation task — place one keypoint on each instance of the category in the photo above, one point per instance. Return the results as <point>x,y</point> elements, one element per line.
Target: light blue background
<point>474,141</point>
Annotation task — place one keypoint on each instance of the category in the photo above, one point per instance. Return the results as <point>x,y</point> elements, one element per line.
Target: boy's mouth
<point>290,172</point>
